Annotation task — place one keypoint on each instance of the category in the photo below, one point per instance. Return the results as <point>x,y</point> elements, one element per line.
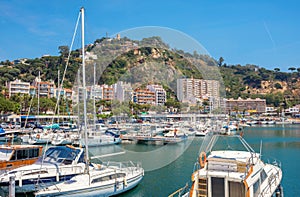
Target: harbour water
<point>163,176</point>
<point>169,167</point>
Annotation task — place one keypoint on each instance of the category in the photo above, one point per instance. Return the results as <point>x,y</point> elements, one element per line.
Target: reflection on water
<point>152,156</point>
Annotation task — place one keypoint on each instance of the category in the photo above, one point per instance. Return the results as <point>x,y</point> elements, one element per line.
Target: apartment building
<point>18,87</point>
<point>123,91</point>
<point>159,92</point>
<point>250,105</point>
<point>108,92</point>
<point>143,96</point>
<point>190,89</point>
<point>44,88</point>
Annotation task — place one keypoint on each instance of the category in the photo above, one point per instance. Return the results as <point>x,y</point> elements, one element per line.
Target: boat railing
<point>180,192</point>
<point>274,179</point>
<point>133,166</point>
<point>42,170</point>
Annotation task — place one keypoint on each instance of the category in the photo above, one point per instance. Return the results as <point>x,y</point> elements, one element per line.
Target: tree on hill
<point>292,69</point>
<point>276,69</point>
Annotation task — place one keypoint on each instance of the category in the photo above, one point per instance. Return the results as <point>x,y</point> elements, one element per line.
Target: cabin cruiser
<point>228,166</point>
<point>59,163</point>
<point>13,156</point>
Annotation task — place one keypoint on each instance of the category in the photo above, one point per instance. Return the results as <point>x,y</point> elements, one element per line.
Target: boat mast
<point>84,93</point>
<point>38,109</point>
<point>94,101</point>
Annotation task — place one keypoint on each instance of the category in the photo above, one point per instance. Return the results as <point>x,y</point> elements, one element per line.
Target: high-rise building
<point>190,89</point>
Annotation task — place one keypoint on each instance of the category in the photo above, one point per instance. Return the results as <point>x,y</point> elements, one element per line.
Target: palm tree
<point>292,69</point>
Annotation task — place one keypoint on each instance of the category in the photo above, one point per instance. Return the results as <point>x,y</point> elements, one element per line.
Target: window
<point>33,153</point>
<point>217,187</point>
<point>22,154</point>
<point>108,177</point>
<point>236,189</point>
<point>256,188</point>
<point>263,176</point>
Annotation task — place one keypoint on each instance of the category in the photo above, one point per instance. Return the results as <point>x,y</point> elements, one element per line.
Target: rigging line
<point>67,63</point>
<point>28,112</point>
<point>60,87</point>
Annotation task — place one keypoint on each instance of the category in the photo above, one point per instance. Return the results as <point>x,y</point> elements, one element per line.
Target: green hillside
<point>151,60</point>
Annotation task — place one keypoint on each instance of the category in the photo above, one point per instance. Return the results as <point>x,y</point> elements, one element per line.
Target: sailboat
<point>107,179</point>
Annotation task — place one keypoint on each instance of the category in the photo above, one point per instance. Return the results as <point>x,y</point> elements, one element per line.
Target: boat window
<point>53,153</point>
<point>108,177</point>
<point>217,187</point>
<point>33,153</point>
<point>5,154</point>
<point>236,189</point>
<point>263,176</point>
<point>256,189</point>
<point>22,154</point>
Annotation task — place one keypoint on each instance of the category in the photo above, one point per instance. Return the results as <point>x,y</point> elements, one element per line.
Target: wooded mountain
<point>151,60</point>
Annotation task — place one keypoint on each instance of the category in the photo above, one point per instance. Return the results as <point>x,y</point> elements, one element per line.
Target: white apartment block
<point>191,90</point>
<point>17,86</point>
<point>97,92</point>
<point>160,93</point>
<point>123,91</point>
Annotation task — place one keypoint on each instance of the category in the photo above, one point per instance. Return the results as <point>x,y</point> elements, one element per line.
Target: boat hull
<point>98,191</point>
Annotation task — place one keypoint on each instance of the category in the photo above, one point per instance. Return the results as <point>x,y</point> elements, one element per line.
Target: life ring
<point>202,159</point>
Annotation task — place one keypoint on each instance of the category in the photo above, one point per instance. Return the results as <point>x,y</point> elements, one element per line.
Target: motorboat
<point>58,163</point>
<point>14,156</point>
<point>228,166</point>
<point>40,137</point>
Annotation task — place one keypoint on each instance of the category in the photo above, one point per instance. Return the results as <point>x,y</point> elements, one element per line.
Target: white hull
<point>109,189</point>
<point>234,173</point>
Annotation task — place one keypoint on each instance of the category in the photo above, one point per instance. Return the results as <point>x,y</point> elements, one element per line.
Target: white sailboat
<point>105,180</point>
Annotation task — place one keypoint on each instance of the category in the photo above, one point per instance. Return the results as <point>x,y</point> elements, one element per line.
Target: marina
<point>169,167</point>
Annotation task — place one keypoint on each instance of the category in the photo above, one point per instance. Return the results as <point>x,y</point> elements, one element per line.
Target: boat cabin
<point>13,156</point>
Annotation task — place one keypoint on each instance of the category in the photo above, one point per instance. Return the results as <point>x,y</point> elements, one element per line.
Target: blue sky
<point>265,33</point>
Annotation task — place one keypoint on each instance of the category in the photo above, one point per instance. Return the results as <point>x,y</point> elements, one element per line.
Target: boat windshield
<point>5,154</point>
<point>217,142</point>
<point>61,155</point>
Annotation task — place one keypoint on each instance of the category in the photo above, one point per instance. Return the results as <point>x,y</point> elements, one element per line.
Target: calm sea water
<point>169,167</point>
<point>166,172</point>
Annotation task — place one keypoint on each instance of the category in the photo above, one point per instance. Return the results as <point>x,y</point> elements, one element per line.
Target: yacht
<point>14,156</point>
<point>57,164</point>
<point>228,166</point>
